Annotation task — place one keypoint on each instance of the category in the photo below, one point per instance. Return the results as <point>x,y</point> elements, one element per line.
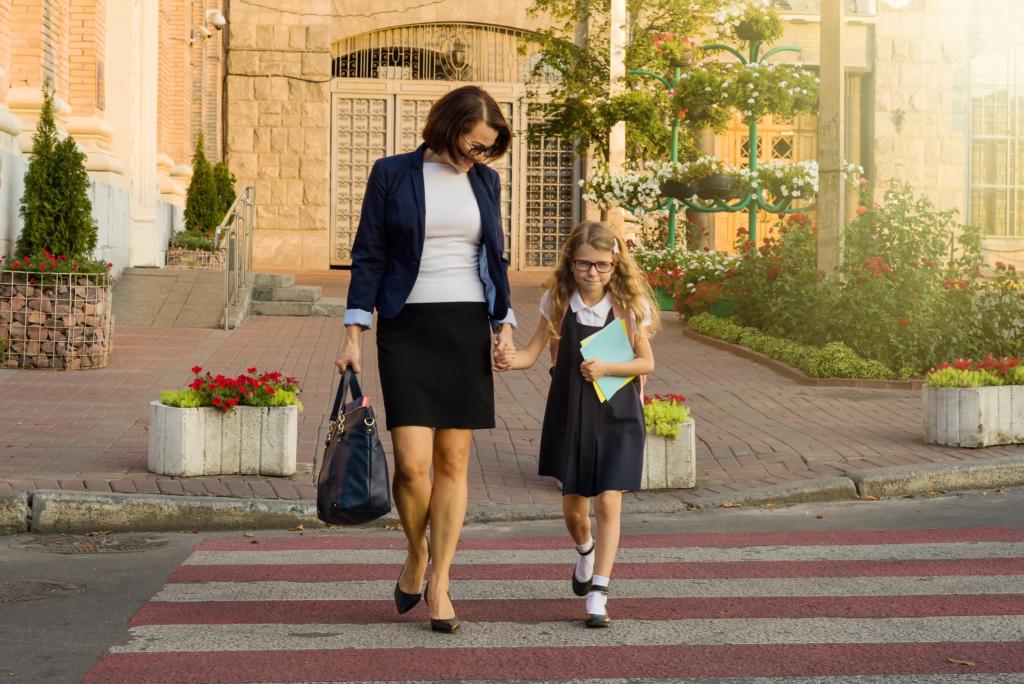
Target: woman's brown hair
<point>455,115</point>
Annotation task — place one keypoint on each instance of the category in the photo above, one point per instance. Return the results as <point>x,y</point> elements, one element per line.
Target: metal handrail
<point>237,228</point>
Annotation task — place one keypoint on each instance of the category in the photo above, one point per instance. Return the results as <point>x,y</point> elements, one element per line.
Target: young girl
<point>594,449</point>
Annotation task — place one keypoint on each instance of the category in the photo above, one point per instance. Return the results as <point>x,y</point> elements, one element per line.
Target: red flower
<point>196,370</point>
<point>250,370</point>
<point>904,322</point>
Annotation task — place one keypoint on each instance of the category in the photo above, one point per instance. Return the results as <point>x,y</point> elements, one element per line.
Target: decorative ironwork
<point>550,199</point>
<point>437,52</point>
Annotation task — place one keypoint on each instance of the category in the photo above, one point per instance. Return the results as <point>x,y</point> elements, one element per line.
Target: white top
<point>594,315</point>
<point>450,265</point>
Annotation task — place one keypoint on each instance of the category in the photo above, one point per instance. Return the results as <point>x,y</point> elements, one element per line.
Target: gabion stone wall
<point>61,321</point>
<point>197,259</point>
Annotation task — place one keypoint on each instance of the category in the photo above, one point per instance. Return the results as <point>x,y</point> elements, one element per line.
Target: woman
<point>428,255</point>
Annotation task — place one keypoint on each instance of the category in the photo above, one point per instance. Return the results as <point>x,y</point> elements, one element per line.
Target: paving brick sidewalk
<point>88,430</point>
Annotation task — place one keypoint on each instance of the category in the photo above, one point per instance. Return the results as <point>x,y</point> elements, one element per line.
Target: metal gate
<point>379,104</point>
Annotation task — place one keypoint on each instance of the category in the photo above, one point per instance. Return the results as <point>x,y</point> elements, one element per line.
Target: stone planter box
<point>248,440</point>
<point>196,259</point>
<point>670,463</point>
<point>974,417</point>
<point>61,321</point>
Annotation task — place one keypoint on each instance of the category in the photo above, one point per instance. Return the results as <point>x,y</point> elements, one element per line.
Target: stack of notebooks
<point>611,345</point>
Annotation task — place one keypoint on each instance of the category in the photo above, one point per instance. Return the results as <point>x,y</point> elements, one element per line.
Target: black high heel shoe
<point>581,588</point>
<point>405,602</point>
<point>447,626</point>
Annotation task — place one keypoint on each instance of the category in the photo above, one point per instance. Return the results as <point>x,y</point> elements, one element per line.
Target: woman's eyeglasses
<point>478,150</point>
<point>584,266</point>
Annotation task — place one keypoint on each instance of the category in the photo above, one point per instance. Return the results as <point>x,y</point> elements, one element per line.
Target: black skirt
<point>435,366</point>
<point>589,446</point>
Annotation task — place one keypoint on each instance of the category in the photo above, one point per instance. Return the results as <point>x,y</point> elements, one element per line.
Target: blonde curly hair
<point>629,288</point>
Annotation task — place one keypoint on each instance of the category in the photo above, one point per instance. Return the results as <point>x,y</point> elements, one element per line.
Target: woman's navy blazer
<point>389,240</point>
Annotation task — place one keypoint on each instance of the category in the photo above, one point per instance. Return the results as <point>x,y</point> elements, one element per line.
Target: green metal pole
<point>673,206</point>
<point>755,47</point>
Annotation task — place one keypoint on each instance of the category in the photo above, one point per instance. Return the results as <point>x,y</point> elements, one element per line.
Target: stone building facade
<point>135,81</point>
<point>305,133</point>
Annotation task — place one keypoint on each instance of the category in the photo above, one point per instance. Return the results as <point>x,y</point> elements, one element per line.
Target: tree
<point>224,182</point>
<point>578,107</point>
<point>202,201</point>
<point>55,207</point>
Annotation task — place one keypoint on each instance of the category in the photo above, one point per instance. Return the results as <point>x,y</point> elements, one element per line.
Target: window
<point>997,143</point>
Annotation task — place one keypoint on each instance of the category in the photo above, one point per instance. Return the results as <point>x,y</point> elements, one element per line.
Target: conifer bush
<point>202,201</point>
<point>224,183</point>
<point>55,207</point>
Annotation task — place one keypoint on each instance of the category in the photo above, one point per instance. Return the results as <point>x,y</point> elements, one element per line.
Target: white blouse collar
<point>600,309</point>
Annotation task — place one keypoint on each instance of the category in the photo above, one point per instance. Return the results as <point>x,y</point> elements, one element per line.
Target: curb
<point>811,491</point>
<point>71,512</point>
<point>913,480</point>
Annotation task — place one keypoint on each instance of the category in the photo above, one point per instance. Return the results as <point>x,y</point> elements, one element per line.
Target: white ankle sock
<point>585,564</point>
<point>596,600</point>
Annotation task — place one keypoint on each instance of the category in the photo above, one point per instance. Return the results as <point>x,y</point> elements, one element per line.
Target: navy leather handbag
<point>353,485</point>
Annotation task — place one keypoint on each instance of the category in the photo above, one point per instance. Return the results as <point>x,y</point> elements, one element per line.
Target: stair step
<point>273,280</point>
<point>282,308</point>
<point>332,307</point>
<point>296,293</point>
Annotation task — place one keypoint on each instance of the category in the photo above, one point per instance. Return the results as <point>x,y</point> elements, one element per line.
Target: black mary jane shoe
<point>447,626</point>
<point>581,588</point>
<point>405,602</point>
<point>598,621</point>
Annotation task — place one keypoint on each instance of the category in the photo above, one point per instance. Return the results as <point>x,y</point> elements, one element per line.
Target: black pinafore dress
<point>589,446</point>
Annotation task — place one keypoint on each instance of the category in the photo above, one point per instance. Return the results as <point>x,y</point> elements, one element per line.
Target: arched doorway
<point>384,84</point>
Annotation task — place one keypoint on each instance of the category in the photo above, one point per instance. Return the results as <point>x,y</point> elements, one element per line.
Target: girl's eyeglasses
<point>584,266</point>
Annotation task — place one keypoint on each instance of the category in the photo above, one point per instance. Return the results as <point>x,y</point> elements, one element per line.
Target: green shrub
<point>187,398</point>
<point>224,183</point>
<point>953,377</point>
<point>202,202</point>
<point>663,417</point>
<point>55,206</point>
<point>834,360</point>
<point>187,240</point>
<point>1014,376</point>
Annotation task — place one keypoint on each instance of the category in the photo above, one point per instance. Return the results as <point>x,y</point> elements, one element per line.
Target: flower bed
<point>60,321</point>
<point>219,425</point>
<point>975,404</point>
<point>670,450</point>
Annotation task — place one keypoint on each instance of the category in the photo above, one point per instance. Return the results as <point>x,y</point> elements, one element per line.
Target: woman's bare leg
<point>411,488</point>
<point>447,512</point>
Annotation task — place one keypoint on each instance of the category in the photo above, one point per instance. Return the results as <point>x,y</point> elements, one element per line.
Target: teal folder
<point>609,344</point>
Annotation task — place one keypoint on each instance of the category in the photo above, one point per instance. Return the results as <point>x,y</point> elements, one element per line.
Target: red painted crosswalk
<point>771,606</point>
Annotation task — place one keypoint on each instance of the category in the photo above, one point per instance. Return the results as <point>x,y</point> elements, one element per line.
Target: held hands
<point>504,351</point>
<point>593,369</point>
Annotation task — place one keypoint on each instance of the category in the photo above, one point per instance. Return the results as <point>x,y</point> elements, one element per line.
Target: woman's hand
<point>593,370</point>
<point>504,348</point>
<point>350,350</point>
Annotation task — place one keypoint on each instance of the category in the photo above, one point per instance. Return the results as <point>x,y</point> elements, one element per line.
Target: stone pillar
<point>854,134</point>
<point>10,125</point>
<point>132,107</point>
<point>278,113</point>
<point>39,50</point>
<point>831,138</point>
<point>87,91</point>
<point>174,97</point>
<point>617,72</point>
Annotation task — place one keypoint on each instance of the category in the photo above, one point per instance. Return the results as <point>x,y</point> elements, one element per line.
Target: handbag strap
<point>349,380</point>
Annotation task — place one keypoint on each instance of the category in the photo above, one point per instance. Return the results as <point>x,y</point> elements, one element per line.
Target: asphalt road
<point>59,638</point>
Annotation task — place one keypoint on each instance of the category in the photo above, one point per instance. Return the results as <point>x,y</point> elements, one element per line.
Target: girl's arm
<point>643,364</point>
<point>525,358</point>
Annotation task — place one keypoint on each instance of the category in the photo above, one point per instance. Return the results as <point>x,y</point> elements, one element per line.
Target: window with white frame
<point>997,143</point>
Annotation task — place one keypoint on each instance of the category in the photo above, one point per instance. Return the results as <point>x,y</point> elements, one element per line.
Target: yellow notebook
<point>609,344</point>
